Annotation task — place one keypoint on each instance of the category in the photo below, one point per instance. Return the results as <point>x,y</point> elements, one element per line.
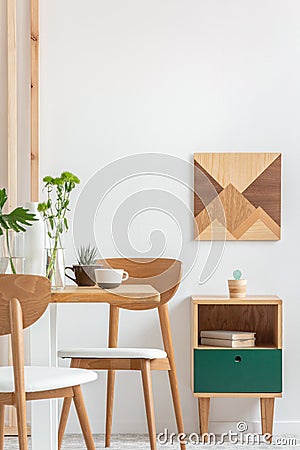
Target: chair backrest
<point>163,274</point>
<point>23,299</point>
<point>33,293</point>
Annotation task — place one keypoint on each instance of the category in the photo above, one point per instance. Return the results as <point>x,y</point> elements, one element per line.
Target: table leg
<point>164,319</point>
<point>44,414</point>
<point>54,363</point>
<point>114,313</point>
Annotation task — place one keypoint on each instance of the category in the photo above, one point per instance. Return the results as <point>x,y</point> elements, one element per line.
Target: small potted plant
<point>84,271</point>
<point>237,286</point>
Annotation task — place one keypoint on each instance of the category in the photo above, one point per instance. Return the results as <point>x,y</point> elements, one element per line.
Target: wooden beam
<point>12,105</point>
<point>34,145</point>
<point>12,138</point>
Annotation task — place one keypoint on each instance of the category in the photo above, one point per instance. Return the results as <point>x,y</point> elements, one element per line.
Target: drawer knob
<point>238,359</point>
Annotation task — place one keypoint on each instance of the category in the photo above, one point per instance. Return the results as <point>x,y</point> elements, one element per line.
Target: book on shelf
<point>233,343</point>
<point>227,334</point>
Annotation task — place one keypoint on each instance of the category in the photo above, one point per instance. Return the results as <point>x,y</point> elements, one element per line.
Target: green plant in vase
<point>54,211</point>
<point>15,221</point>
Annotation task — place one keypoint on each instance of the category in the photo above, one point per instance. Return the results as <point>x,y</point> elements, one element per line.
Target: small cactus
<point>87,255</point>
<point>237,274</point>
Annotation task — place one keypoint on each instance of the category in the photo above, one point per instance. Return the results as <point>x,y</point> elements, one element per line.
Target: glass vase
<point>55,267</point>
<point>3,264</point>
<point>16,265</point>
<point>3,257</point>
<point>12,253</point>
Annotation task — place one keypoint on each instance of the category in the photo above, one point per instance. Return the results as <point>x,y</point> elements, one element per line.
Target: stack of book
<point>225,338</point>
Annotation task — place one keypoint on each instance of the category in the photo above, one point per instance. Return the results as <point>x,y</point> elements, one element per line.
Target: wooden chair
<point>164,275</point>
<point>23,299</point>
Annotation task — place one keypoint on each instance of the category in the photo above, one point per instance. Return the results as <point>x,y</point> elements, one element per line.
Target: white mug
<point>110,278</point>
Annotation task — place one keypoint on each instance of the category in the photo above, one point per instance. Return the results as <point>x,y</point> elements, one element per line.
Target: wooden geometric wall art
<point>237,196</point>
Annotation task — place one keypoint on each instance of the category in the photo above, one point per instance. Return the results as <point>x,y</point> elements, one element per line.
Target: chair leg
<point>63,420</point>
<point>2,420</point>
<point>83,418</point>
<point>147,385</point>
<point>111,375</point>
<point>75,363</point>
<point>22,425</point>
<point>164,318</point>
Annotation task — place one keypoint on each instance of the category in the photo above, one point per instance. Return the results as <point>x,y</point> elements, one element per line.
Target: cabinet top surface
<point>224,299</point>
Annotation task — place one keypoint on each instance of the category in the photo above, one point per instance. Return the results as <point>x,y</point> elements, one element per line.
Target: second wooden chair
<point>164,275</point>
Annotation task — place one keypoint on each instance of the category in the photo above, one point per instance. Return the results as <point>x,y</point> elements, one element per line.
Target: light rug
<point>141,442</point>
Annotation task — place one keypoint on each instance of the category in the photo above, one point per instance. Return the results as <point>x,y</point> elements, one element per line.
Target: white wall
<point>176,77</point>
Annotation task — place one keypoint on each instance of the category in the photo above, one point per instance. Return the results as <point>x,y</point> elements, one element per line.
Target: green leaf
<point>48,179</point>
<point>51,222</point>
<point>18,219</point>
<point>3,197</point>
<point>42,207</point>
<point>69,177</point>
<point>58,181</point>
<point>3,224</point>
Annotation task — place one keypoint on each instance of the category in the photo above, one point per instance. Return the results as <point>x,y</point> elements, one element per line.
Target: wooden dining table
<point>43,345</point>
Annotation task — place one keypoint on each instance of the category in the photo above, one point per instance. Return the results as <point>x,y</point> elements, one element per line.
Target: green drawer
<point>234,370</point>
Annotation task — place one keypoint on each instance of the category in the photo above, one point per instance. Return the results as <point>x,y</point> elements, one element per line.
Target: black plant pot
<point>84,275</point>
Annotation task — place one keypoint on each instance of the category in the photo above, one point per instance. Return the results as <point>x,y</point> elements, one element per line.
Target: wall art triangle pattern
<point>237,196</point>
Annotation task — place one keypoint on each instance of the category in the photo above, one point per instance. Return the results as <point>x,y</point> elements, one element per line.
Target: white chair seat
<point>121,353</point>
<point>45,378</point>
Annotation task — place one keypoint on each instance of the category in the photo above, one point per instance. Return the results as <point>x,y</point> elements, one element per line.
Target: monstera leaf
<point>3,198</point>
<point>17,219</point>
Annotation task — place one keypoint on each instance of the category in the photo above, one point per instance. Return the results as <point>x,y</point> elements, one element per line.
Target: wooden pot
<point>237,288</point>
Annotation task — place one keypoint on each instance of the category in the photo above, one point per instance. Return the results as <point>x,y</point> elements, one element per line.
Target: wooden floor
<point>140,442</point>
